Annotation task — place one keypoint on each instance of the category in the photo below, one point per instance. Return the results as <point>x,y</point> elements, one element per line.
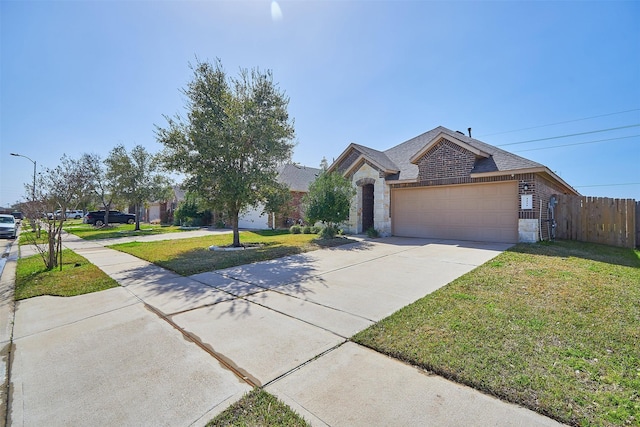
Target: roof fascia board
<point>442,135</point>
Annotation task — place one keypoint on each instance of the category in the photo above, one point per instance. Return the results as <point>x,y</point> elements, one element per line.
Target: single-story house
<point>297,178</point>
<point>444,184</point>
<point>162,210</point>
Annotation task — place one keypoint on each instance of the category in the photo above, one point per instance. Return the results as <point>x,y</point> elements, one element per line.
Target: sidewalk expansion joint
<point>303,364</point>
<point>244,376</point>
<point>310,302</point>
<point>79,320</point>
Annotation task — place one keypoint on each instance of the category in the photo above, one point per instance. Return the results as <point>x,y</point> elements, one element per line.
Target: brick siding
<point>445,160</point>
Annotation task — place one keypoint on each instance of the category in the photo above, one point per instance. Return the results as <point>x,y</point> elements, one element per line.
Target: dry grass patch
<point>554,327</point>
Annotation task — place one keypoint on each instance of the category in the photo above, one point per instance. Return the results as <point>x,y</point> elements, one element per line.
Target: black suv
<point>97,218</point>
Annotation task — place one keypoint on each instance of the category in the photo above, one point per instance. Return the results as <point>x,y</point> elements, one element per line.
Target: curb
<point>7,315</point>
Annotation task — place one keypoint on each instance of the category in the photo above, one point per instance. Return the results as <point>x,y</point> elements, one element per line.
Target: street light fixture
<point>33,193</point>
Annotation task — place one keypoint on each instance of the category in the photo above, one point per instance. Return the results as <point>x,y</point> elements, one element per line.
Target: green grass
<point>192,256</point>
<point>28,237</point>
<point>554,327</point>
<point>89,232</point>
<point>258,408</point>
<point>78,276</point>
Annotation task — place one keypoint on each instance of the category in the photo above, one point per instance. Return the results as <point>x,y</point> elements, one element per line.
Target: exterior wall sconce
<point>525,187</point>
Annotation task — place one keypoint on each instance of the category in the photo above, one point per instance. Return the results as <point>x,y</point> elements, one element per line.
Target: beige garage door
<point>480,212</point>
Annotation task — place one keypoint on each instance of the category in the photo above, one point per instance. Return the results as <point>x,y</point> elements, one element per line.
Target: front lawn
<point>89,232</point>
<point>78,276</point>
<point>554,327</point>
<point>258,408</point>
<point>192,256</point>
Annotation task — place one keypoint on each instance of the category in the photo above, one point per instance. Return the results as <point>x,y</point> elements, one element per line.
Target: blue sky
<point>84,76</point>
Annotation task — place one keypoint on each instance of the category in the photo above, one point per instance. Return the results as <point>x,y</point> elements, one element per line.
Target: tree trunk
<point>52,255</point>
<point>236,233</point>
<point>137,217</point>
<point>59,233</point>
<point>106,214</point>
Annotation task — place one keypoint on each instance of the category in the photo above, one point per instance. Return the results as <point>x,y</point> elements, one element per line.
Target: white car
<point>8,227</point>
<point>70,214</point>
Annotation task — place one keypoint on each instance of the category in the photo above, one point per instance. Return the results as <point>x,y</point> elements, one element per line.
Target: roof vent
<point>460,132</point>
<point>469,129</point>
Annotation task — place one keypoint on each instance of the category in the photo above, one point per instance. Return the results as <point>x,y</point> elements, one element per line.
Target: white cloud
<point>276,12</point>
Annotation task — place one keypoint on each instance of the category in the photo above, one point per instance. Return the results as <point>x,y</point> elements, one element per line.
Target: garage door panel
<point>485,212</point>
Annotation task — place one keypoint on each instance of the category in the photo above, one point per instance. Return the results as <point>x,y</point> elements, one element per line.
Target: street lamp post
<point>33,192</point>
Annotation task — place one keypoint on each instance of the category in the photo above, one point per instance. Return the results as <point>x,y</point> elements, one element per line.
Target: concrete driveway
<point>170,350</point>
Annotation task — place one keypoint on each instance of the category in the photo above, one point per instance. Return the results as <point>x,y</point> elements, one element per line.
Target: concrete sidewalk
<point>170,350</point>
<point>7,285</point>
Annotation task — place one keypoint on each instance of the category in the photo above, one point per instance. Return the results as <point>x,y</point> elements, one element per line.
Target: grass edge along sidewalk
<point>78,277</point>
<point>554,327</point>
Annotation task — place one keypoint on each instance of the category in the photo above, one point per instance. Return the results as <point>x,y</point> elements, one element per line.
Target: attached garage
<point>478,212</point>
<point>446,185</point>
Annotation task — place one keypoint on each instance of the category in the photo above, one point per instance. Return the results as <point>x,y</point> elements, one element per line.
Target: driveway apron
<point>170,350</point>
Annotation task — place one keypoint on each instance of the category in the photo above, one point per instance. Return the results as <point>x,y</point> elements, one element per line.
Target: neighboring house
<point>445,185</point>
<point>297,178</point>
<point>162,211</point>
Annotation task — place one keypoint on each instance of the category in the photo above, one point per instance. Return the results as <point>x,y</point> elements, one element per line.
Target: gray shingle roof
<point>500,160</point>
<point>377,157</point>
<point>297,177</point>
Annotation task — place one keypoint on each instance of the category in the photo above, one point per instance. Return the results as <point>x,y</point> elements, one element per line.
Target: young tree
<point>137,176</point>
<point>56,190</point>
<point>237,132</point>
<point>278,201</point>
<point>100,184</point>
<point>328,200</point>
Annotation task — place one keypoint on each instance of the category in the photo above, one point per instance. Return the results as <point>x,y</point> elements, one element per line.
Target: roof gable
<point>441,136</point>
<point>353,155</point>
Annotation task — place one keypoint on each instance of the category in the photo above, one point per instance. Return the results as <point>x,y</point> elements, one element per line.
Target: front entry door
<point>367,207</point>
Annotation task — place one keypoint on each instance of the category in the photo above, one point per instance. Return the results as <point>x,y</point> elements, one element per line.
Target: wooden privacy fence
<point>598,220</point>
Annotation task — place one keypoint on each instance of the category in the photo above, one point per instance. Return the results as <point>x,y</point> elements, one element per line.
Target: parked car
<point>75,214</point>
<point>18,216</point>
<point>97,218</point>
<point>70,214</point>
<point>8,226</point>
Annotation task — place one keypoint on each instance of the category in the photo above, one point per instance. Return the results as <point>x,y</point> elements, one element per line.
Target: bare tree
<point>56,190</point>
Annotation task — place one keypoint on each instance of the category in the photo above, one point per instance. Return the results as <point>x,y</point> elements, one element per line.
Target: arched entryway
<point>367,207</point>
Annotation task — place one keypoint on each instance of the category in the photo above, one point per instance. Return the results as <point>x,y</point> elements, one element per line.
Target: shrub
<point>329,232</point>
<point>373,233</point>
<point>295,229</point>
<point>306,229</point>
<point>315,229</point>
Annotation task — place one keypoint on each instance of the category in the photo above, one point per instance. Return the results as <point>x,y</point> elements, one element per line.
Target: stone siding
<point>367,174</point>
